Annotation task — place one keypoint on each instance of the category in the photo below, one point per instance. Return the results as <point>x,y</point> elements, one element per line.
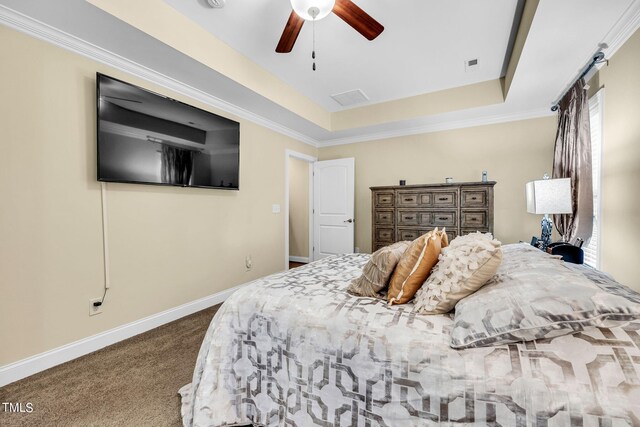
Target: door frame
<point>288,154</point>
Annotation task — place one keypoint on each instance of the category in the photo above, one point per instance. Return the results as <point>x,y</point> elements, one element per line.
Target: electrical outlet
<point>248,262</point>
<point>357,250</point>
<point>93,310</point>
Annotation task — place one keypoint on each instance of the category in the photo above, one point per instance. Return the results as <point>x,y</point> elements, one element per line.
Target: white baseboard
<point>303,259</point>
<point>34,364</point>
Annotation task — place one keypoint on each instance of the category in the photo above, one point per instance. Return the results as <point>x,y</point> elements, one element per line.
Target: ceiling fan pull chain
<point>313,51</point>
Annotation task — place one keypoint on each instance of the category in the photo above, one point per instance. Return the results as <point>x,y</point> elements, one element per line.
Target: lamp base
<point>547,229</point>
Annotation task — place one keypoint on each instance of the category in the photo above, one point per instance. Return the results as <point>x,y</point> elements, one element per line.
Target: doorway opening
<point>298,209</point>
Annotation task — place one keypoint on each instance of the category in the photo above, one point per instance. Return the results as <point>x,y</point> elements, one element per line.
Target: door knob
<point>350,220</point>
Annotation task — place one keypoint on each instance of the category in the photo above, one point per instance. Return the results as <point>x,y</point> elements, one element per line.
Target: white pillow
<point>463,268</point>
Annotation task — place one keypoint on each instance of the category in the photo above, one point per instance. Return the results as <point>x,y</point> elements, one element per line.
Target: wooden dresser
<point>408,211</point>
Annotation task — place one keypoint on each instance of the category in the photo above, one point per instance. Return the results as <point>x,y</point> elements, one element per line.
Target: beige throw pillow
<point>415,265</point>
<point>376,273</point>
<point>463,268</point>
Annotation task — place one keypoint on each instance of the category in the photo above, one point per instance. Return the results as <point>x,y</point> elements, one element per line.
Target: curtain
<point>572,159</point>
<point>177,165</point>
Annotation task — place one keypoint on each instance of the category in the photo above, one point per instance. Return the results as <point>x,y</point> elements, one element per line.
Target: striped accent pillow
<point>376,273</point>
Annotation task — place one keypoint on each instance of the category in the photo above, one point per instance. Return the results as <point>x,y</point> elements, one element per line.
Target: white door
<point>333,206</point>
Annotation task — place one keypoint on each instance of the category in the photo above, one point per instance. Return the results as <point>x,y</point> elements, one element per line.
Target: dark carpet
<point>131,383</point>
<point>293,264</point>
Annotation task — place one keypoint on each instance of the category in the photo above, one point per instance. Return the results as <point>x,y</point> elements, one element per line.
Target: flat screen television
<point>147,138</point>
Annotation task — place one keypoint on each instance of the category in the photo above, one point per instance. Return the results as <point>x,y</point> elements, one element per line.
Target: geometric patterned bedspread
<point>294,349</point>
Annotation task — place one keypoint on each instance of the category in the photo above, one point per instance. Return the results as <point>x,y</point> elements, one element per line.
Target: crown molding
<point>45,32</point>
<point>442,126</point>
<point>626,26</point>
<point>616,37</point>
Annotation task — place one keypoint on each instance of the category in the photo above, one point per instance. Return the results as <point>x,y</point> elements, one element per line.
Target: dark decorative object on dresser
<point>568,252</point>
<point>408,211</point>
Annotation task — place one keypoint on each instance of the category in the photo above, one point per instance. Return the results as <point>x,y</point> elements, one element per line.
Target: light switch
<point>275,209</point>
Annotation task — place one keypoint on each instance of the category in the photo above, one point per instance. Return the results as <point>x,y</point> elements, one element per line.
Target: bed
<point>295,349</point>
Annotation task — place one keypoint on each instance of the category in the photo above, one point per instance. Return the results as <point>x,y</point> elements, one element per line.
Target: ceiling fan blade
<point>360,20</point>
<point>290,33</point>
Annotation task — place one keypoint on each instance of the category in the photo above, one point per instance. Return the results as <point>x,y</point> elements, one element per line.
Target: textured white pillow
<point>463,268</point>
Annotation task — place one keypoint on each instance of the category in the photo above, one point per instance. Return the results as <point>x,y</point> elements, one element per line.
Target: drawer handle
<point>474,198</point>
<point>443,218</point>
<point>443,199</point>
<point>408,199</point>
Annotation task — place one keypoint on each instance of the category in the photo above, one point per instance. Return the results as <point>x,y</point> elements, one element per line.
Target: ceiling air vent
<point>352,97</point>
<point>471,65</point>
<point>216,3</point>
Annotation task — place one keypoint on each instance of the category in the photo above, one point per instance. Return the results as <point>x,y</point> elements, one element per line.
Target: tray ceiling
<point>423,48</point>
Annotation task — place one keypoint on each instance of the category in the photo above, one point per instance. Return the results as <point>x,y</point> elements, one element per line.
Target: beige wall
<point>621,163</point>
<point>512,153</point>
<point>169,246</point>
<point>298,208</point>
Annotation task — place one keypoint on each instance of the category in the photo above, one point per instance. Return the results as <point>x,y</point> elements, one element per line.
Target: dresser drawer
<point>410,234</point>
<point>445,199</point>
<point>413,217</point>
<point>475,219</point>
<point>444,219</point>
<point>383,199</point>
<point>413,199</point>
<point>379,246</point>
<point>430,199</point>
<point>384,234</point>
<point>474,198</point>
<point>414,233</point>
<point>383,217</point>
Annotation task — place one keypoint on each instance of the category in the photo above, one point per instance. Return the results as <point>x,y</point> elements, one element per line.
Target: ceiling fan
<point>313,10</point>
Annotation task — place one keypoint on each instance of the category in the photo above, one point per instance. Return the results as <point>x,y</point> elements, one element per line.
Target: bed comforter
<point>294,349</point>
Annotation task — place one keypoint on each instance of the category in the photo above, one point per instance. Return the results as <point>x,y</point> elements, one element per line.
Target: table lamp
<point>549,196</point>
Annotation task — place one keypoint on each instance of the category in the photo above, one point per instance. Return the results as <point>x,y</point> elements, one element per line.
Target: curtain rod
<point>598,58</point>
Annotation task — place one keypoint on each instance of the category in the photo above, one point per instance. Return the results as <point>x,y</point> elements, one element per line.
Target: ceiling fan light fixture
<point>216,4</point>
<point>312,9</point>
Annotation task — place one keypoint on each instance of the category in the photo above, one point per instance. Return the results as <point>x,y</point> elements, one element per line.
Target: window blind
<point>592,250</point>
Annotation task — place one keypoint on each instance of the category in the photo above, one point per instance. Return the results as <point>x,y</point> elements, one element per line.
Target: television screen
<point>147,138</point>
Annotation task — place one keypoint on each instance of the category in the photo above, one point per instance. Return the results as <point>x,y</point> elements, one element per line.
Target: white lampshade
<point>303,8</point>
<point>549,196</point>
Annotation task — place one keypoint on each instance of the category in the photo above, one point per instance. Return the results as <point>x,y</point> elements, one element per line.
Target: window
<point>592,250</point>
